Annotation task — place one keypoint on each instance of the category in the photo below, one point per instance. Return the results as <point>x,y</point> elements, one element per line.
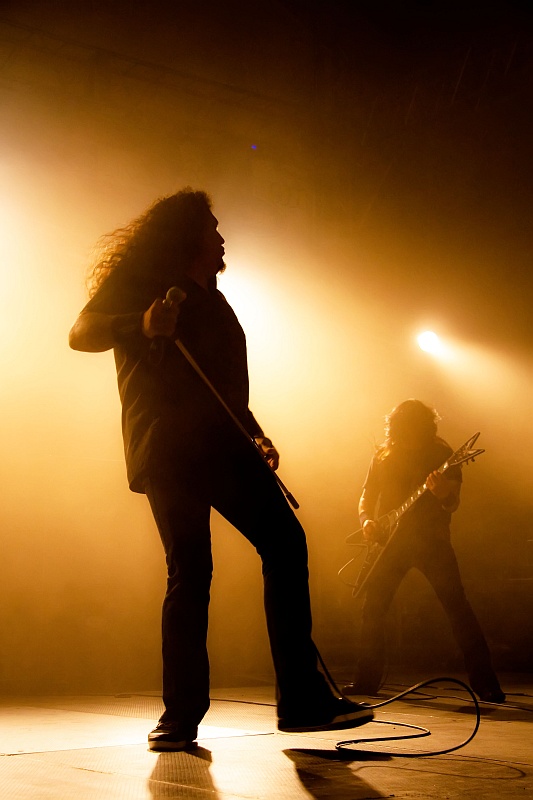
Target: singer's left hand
<point>268,450</point>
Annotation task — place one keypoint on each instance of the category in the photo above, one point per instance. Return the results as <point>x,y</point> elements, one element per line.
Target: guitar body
<point>387,525</point>
<point>373,552</point>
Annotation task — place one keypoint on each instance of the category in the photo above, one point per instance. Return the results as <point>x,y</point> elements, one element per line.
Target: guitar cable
<point>348,744</point>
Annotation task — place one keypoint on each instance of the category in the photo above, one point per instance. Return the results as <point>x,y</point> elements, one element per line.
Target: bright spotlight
<point>430,343</point>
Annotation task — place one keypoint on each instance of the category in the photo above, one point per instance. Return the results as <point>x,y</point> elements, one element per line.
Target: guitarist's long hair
<point>411,415</point>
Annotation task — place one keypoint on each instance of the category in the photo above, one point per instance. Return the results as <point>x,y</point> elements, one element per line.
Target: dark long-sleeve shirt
<point>168,414</point>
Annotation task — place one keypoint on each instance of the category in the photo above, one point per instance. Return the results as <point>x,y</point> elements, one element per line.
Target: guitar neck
<point>406,505</point>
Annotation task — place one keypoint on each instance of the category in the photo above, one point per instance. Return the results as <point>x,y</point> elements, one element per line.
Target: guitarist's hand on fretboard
<point>441,487</point>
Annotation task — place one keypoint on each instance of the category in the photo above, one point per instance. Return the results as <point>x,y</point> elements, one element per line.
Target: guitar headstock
<point>467,452</point>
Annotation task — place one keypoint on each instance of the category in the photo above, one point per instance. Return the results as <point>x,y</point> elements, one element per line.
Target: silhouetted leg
<point>382,585</point>
<point>247,495</point>
<point>441,569</point>
<point>182,518</point>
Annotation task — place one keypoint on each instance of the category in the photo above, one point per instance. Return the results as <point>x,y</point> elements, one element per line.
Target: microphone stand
<point>179,344</point>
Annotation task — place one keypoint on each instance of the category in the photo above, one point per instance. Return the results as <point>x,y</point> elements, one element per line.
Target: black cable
<point>423,731</point>
<point>344,745</point>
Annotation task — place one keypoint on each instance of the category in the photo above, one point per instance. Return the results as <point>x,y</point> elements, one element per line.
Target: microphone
<point>158,344</point>
<point>175,295</point>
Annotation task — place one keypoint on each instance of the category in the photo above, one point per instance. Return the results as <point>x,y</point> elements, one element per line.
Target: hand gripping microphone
<point>157,346</point>
<point>175,295</point>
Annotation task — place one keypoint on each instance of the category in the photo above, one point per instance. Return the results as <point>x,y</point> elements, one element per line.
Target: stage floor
<point>95,747</point>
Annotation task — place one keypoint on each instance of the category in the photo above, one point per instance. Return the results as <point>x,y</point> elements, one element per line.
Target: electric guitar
<point>388,523</point>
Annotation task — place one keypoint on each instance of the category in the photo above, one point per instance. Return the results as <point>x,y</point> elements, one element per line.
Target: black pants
<point>233,479</point>
<point>435,558</point>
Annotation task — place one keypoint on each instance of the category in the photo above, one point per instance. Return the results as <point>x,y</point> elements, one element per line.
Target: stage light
<point>431,343</point>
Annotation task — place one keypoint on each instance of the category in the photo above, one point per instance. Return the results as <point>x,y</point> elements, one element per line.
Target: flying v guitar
<point>388,523</point>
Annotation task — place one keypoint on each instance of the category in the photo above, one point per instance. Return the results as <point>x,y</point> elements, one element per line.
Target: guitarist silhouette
<point>415,464</point>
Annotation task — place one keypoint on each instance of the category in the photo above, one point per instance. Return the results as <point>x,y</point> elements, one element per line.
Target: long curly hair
<point>164,239</point>
<point>412,417</point>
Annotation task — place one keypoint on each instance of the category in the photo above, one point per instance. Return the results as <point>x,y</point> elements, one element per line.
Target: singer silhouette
<point>157,281</point>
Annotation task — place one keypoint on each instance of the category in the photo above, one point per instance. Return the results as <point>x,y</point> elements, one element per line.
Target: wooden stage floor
<point>65,748</point>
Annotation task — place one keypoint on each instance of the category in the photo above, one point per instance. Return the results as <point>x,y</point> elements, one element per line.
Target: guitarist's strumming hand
<point>370,531</point>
